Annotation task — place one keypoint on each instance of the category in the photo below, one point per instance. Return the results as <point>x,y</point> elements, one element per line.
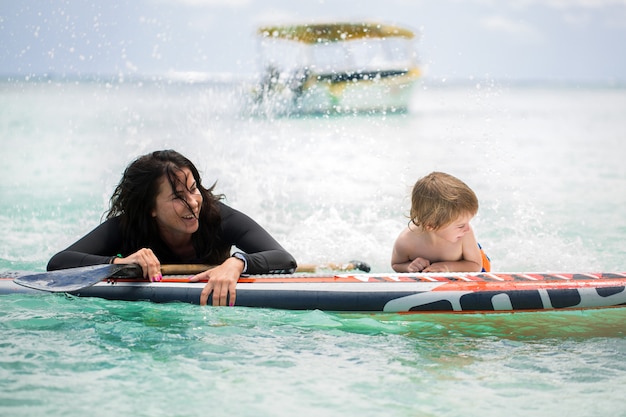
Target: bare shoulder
<point>471,251</point>
<point>407,236</point>
<point>470,237</point>
<point>407,243</point>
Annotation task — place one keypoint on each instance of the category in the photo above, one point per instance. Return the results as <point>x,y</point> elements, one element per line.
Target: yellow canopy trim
<point>334,32</point>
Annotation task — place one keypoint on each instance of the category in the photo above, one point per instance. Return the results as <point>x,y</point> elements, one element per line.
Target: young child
<point>439,237</point>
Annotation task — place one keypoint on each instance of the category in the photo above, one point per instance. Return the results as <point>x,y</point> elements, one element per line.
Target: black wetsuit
<point>263,253</point>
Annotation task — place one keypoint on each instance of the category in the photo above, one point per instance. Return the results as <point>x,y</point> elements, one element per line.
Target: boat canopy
<point>333,32</point>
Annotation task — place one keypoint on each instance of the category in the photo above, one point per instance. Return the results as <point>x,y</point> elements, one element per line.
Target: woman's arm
<point>263,254</point>
<point>99,246</point>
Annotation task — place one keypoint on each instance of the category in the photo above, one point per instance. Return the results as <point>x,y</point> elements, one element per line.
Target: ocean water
<point>546,161</point>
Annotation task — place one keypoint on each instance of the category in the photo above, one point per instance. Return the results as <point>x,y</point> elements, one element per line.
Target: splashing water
<point>547,168</point>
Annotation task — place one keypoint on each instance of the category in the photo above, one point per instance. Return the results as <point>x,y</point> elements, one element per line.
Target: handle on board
<point>193,269</point>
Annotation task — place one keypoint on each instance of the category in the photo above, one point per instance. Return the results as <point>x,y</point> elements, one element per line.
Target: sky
<point>571,40</point>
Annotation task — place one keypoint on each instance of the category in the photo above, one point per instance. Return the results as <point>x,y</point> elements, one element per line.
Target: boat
<point>336,68</point>
<point>358,292</point>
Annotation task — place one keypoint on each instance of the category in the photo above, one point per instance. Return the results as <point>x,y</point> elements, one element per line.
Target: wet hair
<point>134,200</point>
<point>439,198</point>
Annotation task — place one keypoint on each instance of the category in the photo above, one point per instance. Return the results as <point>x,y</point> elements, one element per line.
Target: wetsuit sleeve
<point>263,253</point>
<point>97,247</point>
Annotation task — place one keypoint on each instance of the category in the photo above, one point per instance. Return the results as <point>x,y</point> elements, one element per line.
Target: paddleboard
<point>380,292</point>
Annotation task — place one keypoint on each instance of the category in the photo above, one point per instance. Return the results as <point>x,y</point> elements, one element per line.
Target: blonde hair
<point>439,198</point>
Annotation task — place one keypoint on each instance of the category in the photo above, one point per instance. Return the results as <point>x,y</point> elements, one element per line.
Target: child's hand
<point>437,267</point>
<point>418,265</point>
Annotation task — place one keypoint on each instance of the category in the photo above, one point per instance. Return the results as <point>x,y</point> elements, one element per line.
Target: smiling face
<point>455,231</point>
<point>176,211</point>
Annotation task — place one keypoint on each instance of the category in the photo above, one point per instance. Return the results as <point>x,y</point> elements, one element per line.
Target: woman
<point>161,213</point>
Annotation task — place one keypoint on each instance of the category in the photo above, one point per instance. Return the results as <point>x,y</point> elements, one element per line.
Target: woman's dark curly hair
<point>134,200</point>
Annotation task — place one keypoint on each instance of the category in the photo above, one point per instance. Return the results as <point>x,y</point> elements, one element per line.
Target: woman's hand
<point>148,262</point>
<point>222,282</point>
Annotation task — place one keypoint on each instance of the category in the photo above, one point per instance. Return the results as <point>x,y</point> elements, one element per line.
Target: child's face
<point>455,231</point>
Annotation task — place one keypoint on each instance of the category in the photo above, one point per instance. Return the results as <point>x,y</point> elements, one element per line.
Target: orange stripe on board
<point>529,285</point>
<point>505,280</point>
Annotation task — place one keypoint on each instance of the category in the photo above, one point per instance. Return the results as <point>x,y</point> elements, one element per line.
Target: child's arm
<point>400,260</point>
<point>416,265</point>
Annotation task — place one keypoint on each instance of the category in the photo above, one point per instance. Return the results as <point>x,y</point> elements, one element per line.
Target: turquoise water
<point>546,162</point>
<point>67,356</point>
